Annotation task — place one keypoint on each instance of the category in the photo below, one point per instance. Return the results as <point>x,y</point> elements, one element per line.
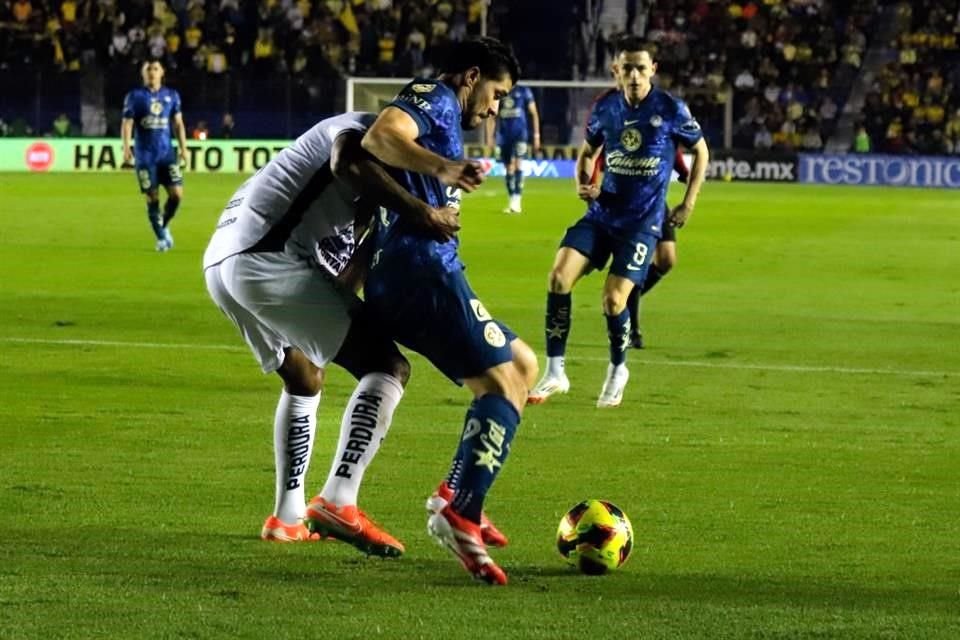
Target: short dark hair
<point>491,56</point>
<point>630,43</point>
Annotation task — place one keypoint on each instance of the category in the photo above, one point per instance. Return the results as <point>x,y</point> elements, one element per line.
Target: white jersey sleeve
<point>294,204</point>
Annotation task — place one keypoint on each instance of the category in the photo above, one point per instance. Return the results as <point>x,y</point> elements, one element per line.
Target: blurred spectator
<point>861,141</point>
<point>61,127</point>
<point>226,126</point>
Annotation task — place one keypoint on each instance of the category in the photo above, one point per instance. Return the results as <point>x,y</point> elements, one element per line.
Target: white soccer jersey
<point>294,204</point>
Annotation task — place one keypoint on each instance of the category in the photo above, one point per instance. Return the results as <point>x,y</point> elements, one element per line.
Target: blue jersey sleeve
<point>685,128</point>
<point>426,102</point>
<point>174,103</point>
<point>128,105</point>
<point>528,97</point>
<point>594,133</point>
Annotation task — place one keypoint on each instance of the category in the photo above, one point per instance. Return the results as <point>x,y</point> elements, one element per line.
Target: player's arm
<point>587,189</point>
<point>393,140</point>
<point>181,132</point>
<point>126,136</point>
<point>358,169</point>
<point>534,123</point>
<point>698,173</point>
<point>126,128</point>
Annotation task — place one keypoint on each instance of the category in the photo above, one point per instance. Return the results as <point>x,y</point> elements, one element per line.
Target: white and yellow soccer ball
<point>595,536</point>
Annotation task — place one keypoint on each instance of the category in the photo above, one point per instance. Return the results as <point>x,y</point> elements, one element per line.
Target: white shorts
<point>278,301</point>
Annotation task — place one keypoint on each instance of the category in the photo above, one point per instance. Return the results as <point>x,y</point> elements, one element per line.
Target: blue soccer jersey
<point>639,144</point>
<point>436,110</point>
<point>512,123</point>
<point>151,112</point>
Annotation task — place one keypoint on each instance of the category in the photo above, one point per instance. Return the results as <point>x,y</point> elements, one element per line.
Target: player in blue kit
<point>517,118</point>
<point>637,128</point>
<point>416,285</point>
<point>148,113</point>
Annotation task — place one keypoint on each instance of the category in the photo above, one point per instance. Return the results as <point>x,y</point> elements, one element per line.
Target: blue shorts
<point>632,251</point>
<point>439,316</point>
<point>510,149</point>
<point>165,172</point>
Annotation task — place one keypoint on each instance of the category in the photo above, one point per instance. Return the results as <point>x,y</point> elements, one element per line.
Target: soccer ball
<point>595,537</point>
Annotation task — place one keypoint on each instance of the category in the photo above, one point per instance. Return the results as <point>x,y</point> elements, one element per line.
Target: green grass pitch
<point>788,449</point>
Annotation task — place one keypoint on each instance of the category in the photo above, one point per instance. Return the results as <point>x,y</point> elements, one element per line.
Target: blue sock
<point>618,330</point>
<point>456,467</point>
<point>170,209</point>
<point>558,323</point>
<point>509,180</point>
<point>484,447</point>
<point>518,182</point>
<point>153,214</point>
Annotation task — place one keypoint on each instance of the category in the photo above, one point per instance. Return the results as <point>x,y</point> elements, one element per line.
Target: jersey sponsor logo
<point>631,139</point>
<point>423,88</point>
<point>623,164</point>
<point>480,311</point>
<point>494,335</point>
<point>416,101</point>
<point>656,121</point>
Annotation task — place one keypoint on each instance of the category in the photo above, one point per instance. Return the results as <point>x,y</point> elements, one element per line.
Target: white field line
<point>654,363</point>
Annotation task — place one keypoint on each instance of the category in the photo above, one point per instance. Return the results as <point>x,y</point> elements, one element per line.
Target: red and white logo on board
<point>39,156</point>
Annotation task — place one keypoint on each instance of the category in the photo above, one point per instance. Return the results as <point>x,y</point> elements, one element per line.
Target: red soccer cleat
<point>492,536</point>
<point>463,539</point>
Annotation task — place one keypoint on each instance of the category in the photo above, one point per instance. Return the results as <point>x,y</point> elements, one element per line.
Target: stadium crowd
<point>789,64</point>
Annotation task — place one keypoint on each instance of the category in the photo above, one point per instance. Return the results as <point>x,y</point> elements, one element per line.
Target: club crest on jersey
<point>423,88</point>
<point>494,335</point>
<point>506,102</point>
<point>656,121</point>
<point>631,139</point>
<point>156,108</point>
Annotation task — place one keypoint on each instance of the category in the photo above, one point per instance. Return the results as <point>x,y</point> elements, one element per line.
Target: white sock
<point>366,421</point>
<point>555,365</point>
<point>294,430</point>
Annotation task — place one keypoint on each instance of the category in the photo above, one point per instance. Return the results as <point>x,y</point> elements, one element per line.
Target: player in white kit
<point>277,266</point>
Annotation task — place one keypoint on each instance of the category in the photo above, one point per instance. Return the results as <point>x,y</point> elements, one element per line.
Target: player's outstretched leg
<point>365,423</point>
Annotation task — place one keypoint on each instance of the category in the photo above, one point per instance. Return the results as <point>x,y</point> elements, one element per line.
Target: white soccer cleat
<point>612,393</point>
<point>162,245</point>
<point>548,385</point>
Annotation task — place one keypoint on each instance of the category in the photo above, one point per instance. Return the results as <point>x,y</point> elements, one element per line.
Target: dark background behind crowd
<point>270,68</point>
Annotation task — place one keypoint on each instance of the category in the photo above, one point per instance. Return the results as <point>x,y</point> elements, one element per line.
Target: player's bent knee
<point>558,282</point>
<point>399,368</point>
<point>300,376</point>
<point>613,303</point>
